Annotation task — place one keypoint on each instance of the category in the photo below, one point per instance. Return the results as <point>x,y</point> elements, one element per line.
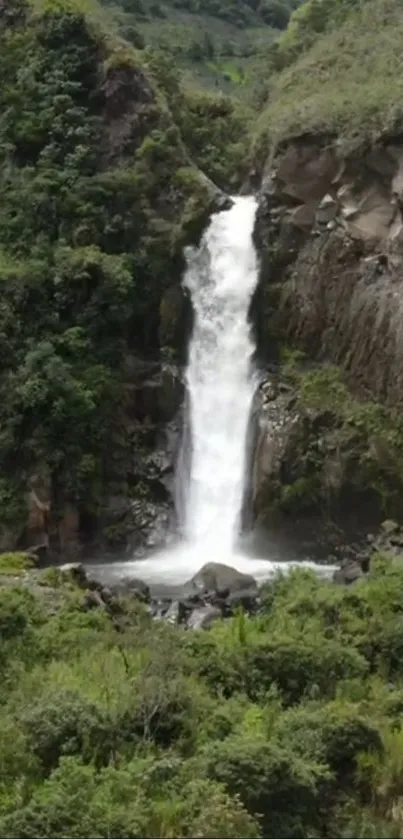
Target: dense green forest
<point>98,199</point>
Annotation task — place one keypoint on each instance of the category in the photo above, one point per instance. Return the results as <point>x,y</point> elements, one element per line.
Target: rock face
<point>316,467</point>
<point>330,233</point>
<point>150,422</point>
<point>386,545</point>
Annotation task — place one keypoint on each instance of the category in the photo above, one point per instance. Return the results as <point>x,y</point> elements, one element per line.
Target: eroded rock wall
<point>330,233</point>
<point>330,236</point>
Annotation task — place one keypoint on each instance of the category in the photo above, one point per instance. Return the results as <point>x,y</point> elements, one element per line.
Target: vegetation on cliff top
<point>287,724</point>
<point>337,69</point>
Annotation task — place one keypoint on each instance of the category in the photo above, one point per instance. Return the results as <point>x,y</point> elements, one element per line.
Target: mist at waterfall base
<point>221,277</point>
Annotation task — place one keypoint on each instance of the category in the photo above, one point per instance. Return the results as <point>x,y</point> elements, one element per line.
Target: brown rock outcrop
<point>330,233</point>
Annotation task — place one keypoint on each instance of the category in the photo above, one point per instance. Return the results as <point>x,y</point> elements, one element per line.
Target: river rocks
<point>216,591</point>
<point>356,561</point>
<point>215,577</point>
<point>75,572</point>
<point>349,572</point>
<point>132,586</point>
<point>203,618</point>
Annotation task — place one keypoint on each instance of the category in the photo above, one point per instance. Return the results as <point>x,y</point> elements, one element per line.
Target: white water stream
<point>221,276</point>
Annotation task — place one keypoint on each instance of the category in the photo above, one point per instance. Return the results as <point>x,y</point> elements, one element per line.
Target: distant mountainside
<point>214,43</point>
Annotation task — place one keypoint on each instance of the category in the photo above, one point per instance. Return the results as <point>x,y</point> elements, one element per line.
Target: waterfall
<point>221,277</point>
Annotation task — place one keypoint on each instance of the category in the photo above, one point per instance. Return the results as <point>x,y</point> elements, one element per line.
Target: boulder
<point>203,617</point>
<point>247,598</point>
<point>176,613</point>
<point>75,572</point>
<point>216,577</point>
<point>133,586</point>
<point>348,573</point>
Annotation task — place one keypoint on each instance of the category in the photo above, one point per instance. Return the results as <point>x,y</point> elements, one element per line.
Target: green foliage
<point>328,47</point>
<point>215,43</point>
<point>14,563</point>
<point>76,801</point>
<point>269,781</point>
<point>90,229</point>
<point>285,724</point>
<point>213,128</point>
<point>18,612</point>
<point>66,723</point>
<point>359,442</point>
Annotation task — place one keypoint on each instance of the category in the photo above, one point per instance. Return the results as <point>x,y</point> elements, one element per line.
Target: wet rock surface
<point>216,592</point>
<point>220,591</point>
<point>215,577</point>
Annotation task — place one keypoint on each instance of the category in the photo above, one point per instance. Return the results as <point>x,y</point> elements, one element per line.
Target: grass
<point>349,83</point>
<point>14,563</point>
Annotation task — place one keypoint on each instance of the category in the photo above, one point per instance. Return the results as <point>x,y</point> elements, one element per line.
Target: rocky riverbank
<point>216,591</point>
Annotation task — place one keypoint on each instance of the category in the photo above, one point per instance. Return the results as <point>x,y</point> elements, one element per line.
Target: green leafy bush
<point>64,723</point>
<point>286,723</point>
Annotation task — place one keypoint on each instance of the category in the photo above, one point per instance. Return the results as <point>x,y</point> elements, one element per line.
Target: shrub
<point>270,780</point>
<point>19,612</point>
<point>77,801</point>
<point>15,563</point>
<point>334,734</point>
<point>65,723</point>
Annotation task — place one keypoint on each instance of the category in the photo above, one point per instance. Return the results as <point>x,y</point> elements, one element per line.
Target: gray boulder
<point>348,573</point>
<point>216,577</point>
<point>75,572</point>
<point>203,617</point>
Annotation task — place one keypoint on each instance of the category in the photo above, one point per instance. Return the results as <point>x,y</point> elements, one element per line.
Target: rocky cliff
<point>329,230</point>
<point>332,236</point>
<point>330,233</point>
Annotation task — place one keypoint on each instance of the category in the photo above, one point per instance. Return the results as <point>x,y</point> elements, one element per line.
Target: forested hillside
<point>100,192</point>
<point>216,44</point>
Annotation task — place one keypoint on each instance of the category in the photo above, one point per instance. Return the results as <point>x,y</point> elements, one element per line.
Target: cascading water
<point>221,277</point>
